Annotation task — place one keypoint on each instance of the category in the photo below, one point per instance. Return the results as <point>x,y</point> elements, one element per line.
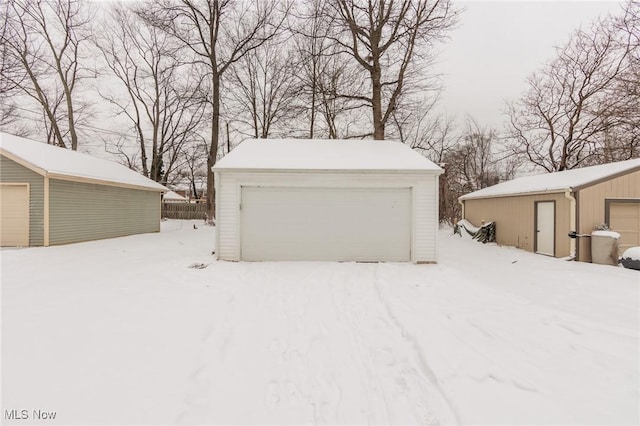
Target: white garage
<point>329,200</point>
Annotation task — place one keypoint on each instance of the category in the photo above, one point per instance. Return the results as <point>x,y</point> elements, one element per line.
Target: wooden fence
<point>184,211</point>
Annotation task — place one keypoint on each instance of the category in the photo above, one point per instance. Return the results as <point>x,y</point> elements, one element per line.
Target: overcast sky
<point>498,44</point>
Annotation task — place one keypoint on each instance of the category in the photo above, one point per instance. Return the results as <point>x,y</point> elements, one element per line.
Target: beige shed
<point>536,213</point>
<point>51,195</point>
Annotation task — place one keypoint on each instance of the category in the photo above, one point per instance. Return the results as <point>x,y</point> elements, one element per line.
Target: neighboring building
<point>51,195</point>
<point>336,200</point>
<point>536,213</point>
<point>173,197</point>
<point>175,206</point>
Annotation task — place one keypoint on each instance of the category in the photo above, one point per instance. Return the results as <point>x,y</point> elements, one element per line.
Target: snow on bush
<point>631,258</point>
<point>632,253</point>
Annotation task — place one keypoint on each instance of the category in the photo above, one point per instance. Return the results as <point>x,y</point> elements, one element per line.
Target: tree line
<point>171,86</point>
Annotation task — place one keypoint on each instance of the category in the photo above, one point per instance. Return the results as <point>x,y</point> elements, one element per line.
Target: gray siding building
<point>51,195</point>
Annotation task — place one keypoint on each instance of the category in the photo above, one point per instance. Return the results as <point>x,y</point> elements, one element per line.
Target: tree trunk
<point>72,124</point>
<point>376,100</point>
<point>213,149</point>
<point>314,77</point>
<point>194,194</point>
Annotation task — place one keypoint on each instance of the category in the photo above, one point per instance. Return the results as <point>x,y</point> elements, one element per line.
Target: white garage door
<point>625,219</point>
<point>348,224</point>
<point>14,215</point>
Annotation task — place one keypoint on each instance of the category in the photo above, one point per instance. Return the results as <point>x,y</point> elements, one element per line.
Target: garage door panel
<point>14,215</point>
<point>326,224</point>
<point>625,220</point>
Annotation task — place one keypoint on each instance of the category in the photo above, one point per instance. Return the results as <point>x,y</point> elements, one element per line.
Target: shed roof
<point>173,196</point>
<point>568,180</point>
<point>53,161</point>
<point>318,154</point>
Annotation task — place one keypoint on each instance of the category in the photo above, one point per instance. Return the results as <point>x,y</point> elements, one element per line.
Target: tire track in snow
<point>359,346</point>
<point>218,329</point>
<point>216,337</point>
<point>450,315</point>
<point>392,356</point>
<point>330,348</point>
<point>297,382</point>
<point>441,396</point>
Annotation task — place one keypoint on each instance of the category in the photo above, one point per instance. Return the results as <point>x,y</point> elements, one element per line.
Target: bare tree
<point>435,138</point>
<point>562,119</point>
<point>310,41</point>
<point>164,101</point>
<point>219,33</point>
<point>194,169</point>
<point>386,38</point>
<point>46,39</point>
<point>324,72</point>
<point>622,141</point>
<point>265,88</point>
<point>10,72</point>
<point>479,159</point>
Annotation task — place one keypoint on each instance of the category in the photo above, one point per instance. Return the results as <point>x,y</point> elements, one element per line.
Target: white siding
<point>425,219</point>
<point>227,217</point>
<point>424,214</point>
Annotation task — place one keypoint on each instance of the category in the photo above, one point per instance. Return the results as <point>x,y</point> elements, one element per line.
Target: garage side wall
<point>514,218</point>
<point>591,205</point>
<point>424,209</point>
<point>85,212</point>
<point>10,171</point>
<point>425,219</point>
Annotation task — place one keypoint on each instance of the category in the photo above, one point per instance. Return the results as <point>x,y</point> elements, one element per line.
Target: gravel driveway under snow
<point>124,331</point>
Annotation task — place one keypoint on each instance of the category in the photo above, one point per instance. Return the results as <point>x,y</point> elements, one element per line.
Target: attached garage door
<point>624,218</point>
<point>14,215</point>
<point>344,224</point>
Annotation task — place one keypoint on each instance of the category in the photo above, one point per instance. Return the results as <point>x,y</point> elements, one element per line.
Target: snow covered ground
<point>123,331</point>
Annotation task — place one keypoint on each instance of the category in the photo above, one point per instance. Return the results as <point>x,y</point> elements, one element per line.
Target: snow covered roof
<point>54,161</point>
<point>567,180</point>
<point>318,154</point>
<point>173,196</point>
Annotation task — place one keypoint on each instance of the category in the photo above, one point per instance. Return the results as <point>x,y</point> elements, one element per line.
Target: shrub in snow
<point>631,258</point>
<point>485,234</point>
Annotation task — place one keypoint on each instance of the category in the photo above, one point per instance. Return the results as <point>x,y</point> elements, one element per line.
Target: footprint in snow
<point>272,394</point>
<point>292,392</point>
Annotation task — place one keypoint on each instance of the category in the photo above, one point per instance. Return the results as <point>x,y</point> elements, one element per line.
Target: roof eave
<point>571,189</point>
<point>287,170</point>
<point>82,179</point>
<point>23,162</point>
<point>75,178</point>
<point>517,194</point>
<point>606,178</point>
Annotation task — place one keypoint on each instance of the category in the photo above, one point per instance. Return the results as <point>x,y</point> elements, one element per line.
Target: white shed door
<point>14,215</point>
<point>343,224</point>
<point>545,227</point>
